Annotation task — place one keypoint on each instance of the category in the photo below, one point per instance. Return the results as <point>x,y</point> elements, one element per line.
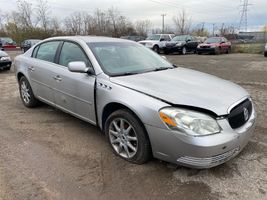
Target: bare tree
<point>142,27</point>
<point>182,22</point>
<point>25,13</point>
<point>43,12</point>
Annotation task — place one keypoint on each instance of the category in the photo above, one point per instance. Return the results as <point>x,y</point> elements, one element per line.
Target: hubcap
<point>25,92</point>
<point>123,138</point>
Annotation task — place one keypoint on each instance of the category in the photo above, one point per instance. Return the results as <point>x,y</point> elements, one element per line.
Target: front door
<point>74,92</point>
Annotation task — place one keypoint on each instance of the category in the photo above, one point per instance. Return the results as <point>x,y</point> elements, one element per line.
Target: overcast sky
<point>208,11</point>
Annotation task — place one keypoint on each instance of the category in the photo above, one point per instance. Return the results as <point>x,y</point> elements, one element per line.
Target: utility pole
<point>213,29</point>
<point>163,27</point>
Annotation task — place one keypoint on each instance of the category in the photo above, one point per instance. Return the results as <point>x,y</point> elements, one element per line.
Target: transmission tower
<point>244,15</point>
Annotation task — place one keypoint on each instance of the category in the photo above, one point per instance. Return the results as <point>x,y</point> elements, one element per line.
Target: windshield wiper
<point>162,68</point>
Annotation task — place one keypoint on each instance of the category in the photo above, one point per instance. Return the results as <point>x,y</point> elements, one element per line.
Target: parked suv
<point>265,51</point>
<point>157,42</point>
<point>181,44</point>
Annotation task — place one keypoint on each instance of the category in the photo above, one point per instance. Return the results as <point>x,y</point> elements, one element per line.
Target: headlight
<point>178,44</point>
<point>5,58</point>
<point>189,122</point>
<point>149,44</point>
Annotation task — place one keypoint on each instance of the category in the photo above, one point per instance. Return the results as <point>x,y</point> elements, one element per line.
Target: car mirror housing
<point>79,67</point>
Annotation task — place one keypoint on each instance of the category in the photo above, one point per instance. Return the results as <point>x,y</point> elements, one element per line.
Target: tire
<point>166,52</point>
<point>199,53</point>
<point>156,48</point>
<point>26,93</point>
<point>217,51</point>
<point>265,54</point>
<point>135,141</point>
<point>184,51</point>
<point>8,68</point>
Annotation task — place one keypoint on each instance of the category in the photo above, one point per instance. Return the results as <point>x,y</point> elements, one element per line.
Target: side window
<point>72,52</point>
<point>34,53</point>
<point>47,51</point>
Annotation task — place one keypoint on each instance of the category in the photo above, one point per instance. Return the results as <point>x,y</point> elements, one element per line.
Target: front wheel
<point>26,93</point>
<point>184,50</point>
<point>156,48</point>
<point>127,137</point>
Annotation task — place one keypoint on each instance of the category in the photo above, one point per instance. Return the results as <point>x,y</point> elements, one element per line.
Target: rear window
<point>47,51</point>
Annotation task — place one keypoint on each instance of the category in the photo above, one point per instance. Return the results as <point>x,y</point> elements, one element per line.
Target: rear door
<point>41,70</point>
<point>74,92</point>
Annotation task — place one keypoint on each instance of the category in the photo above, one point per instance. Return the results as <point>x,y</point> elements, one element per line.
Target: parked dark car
<point>5,61</point>
<point>265,51</point>
<point>215,45</point>
<point>7,43</point>
<point>135,38</point>
<point>181,44</point>
<point>27,44</point>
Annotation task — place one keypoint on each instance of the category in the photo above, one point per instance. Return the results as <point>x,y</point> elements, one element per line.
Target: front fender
<point>144,106</point>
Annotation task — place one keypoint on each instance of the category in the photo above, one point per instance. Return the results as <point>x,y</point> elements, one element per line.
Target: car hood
<point>148,41</point>
<point>186,87</point>
<point>2,53</point>
<point>209,44</point>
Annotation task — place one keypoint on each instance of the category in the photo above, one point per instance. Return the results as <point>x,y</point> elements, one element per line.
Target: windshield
<point>7,41</point>
<point>180,38</point>
<point>153,37</point>
<point>124,58</point>
<point>213,40</point>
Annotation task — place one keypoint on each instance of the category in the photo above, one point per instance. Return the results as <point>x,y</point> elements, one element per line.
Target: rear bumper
<point>200,152</point>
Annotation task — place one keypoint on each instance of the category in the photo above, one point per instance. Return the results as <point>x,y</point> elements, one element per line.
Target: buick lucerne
<point>145,106</point>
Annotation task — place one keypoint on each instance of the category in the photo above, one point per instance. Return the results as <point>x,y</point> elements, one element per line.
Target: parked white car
<point>157,42</point>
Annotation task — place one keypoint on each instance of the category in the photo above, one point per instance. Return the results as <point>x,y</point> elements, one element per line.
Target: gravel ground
<point>47,154</point>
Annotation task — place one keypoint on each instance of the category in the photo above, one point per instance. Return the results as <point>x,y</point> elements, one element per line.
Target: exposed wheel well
<point>112,107</point>
<point>20,75</point>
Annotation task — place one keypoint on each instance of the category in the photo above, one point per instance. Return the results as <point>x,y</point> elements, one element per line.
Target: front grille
<point>205,47</point>
<point>209,162</point>
<point>240,114</point>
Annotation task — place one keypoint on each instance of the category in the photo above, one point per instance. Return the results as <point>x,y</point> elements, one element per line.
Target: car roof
<point>89,39</point>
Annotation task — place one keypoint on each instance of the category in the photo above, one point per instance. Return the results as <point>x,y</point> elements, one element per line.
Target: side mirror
<point>162,39</point>
<point>188,40</point>
<point>79,67</point>
<point>222,42</point>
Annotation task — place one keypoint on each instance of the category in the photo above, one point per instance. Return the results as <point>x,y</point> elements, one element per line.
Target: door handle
<point>31,69</point>
<point>57,78</point>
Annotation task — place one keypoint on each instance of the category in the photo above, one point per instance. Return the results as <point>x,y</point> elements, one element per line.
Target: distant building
<point>258,36</point>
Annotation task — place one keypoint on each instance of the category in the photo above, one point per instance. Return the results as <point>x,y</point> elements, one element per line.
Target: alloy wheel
<point>123,138</point>
<point>25,92</point>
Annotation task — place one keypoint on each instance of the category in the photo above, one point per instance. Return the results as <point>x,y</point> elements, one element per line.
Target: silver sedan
<point>146,106</point>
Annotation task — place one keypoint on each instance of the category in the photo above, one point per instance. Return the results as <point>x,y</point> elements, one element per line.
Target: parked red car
<point>7,43</point>
<point>215,45</point>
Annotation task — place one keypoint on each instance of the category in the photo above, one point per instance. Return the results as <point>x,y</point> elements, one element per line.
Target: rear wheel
<point>26,93</point>
<point>127,137</point>
<point>228,50</point>
<point>265,54</point>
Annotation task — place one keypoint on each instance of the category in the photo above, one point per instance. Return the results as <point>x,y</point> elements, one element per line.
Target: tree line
<point>38,22</point>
